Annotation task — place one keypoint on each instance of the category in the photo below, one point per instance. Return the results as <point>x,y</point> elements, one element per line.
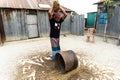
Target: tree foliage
<point>108,3</point>
<point>109,6</point>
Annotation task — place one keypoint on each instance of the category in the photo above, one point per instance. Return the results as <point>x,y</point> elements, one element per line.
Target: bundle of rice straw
<point>56,5</point>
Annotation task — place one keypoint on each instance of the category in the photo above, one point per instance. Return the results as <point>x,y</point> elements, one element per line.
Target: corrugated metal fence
<point>77,25</point>
<point>113,29</point>
<point>18,24</point>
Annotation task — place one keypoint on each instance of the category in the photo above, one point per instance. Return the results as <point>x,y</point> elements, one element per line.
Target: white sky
<point>80,6</point>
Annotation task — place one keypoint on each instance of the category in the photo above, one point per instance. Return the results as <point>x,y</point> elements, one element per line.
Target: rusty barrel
<point>66,61</point>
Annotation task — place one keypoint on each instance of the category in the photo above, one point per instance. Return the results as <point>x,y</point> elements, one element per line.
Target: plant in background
<point>109,6</point>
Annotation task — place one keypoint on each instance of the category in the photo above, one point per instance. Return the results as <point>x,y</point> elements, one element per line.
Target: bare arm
<point>64,13</point>
<point>50,12</point>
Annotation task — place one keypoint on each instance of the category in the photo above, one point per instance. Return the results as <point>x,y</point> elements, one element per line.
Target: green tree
<point>109,5</point>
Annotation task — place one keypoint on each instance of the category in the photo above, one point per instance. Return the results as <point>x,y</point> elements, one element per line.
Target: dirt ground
<point>31,59</point>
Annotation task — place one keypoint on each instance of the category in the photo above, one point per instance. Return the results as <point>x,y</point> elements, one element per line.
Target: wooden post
<point>2,32</point>
<point>105,30</point>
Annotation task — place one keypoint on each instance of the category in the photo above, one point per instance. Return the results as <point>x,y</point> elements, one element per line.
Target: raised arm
<point>50,12</point>
<point>64,13</point>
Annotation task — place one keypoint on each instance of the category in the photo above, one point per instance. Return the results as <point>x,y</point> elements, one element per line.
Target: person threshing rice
<point>56,16</point>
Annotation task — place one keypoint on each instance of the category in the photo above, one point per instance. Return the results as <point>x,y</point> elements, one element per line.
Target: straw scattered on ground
<point>41,67</point>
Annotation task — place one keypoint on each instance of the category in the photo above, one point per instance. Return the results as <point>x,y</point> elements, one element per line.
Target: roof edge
<point>99,2</point>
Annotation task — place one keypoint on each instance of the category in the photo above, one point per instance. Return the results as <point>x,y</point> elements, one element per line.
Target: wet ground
<point>30,59</point>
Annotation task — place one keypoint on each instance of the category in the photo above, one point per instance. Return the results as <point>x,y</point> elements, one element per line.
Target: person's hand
<point>50,12</point>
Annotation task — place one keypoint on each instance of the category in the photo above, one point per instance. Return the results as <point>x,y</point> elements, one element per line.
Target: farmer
<point>56,16</point>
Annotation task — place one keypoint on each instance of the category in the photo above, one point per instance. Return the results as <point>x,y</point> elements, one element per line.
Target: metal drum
<point>66,61</point>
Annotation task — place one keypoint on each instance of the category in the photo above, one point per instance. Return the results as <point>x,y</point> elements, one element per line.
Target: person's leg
<point>58,45</point>
<point>55,46</point>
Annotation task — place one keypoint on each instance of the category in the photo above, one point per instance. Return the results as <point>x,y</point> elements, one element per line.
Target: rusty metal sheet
<point>101,1</point>
<point>26,4</point>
